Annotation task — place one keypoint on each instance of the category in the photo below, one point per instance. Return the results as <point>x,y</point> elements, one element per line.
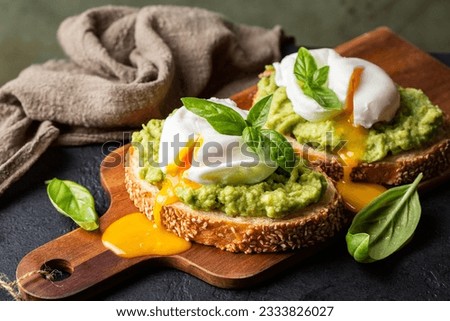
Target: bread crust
<point>401,169</point>
<point>308,227</point>
<point>431,160</point>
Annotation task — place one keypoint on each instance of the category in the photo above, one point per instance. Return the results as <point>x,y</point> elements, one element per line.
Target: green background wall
<point>28,27</point>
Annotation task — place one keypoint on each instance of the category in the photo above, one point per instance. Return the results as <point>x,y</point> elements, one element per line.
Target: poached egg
<point>368,96</point>
<point>191,152</point>
<point>377,98</point>
<point>217,158</point>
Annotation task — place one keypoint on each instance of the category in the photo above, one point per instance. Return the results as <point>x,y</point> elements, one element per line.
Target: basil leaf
<point>305,65</point>
<point>281,152</point>
<point>313,81</point>
<point>254,139</point>
<point>386,224</point>
<point>320,76</point>
<point>223,119</point>
<point>324,96</point>
<point>74,201</point>
<point>258,114</point>
<point>259,144</point>
<point>358,244</point>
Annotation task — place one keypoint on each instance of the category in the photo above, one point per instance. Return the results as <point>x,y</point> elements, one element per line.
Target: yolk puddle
<point>356,195</point>
<point>135,235</point>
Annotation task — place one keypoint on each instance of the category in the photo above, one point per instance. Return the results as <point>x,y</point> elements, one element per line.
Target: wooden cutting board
<point>90,268</point>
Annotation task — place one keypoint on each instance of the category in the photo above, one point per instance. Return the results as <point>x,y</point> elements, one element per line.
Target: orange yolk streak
<point>174,178</point>
<point>356,195</point>
<point>135,235</point>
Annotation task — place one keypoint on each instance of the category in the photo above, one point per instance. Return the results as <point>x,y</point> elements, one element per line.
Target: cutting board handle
<point>78,261</point>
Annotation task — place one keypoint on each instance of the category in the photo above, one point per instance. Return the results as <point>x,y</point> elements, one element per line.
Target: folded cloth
<point>126,65</point>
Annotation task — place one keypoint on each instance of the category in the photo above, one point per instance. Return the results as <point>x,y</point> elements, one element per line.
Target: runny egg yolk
<point>174,178</point>
<point>135,235</point>
<point>356,195</point>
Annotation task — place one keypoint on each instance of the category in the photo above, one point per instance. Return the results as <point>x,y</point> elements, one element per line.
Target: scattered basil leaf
<point>223,119</point>
<point>258,114</point>
<point>313,81</point>
<point>74,201</point>
<point>386,224</point>
<point>281,152</point>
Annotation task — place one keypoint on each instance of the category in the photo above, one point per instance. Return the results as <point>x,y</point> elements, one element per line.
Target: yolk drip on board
<point>135,235</point>
<point>355,195</point>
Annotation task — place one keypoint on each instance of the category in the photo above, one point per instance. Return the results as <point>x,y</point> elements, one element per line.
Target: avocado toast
<point>394,150</point>
<point>282,211</point>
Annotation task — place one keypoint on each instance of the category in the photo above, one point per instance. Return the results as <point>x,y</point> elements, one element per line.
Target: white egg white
<point>376,98</point>
<point>218,159</point>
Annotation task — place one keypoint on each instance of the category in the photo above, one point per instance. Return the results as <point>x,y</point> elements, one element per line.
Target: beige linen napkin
<point>125,66</point>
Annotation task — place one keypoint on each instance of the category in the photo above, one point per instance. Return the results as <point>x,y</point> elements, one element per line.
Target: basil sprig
<point>266,143</point>
<point>312,80</point>
<point>386,224</point>
<point>223,119</point>
<point>74,201</point>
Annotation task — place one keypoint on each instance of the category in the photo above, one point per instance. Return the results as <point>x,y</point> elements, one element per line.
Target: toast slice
<point>432,159</point>
<point>307,227</point>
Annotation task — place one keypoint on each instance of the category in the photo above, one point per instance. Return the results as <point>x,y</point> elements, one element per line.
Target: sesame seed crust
<point>309,226</point>
<point>404,168</point>
<point>431,160</point>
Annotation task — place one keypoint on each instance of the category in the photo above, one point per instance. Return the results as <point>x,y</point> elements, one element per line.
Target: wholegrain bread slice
<point>431,160</point>
<point>307,227</point>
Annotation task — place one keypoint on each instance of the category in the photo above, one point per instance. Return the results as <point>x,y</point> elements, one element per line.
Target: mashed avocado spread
<point>275,197</point>
<point>416,122</point>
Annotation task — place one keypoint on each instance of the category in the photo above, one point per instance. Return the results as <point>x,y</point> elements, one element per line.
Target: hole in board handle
<point>58,270</point>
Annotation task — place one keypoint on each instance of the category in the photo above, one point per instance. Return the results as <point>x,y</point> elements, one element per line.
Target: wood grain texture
<point>93,268</point>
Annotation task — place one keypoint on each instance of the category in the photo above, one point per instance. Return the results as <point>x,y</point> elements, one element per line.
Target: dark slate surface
<point>421,271</point>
